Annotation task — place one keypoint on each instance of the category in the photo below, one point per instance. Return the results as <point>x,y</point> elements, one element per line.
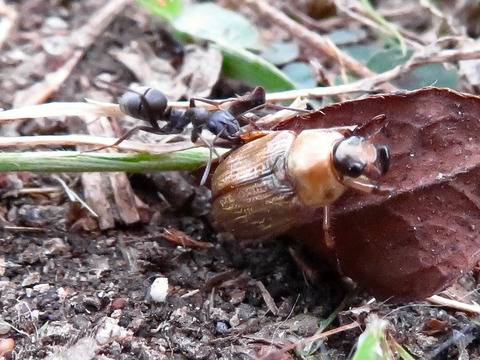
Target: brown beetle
<point>268,185</point>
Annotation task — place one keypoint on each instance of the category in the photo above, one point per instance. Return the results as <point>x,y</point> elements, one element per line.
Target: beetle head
<point>353,155</point>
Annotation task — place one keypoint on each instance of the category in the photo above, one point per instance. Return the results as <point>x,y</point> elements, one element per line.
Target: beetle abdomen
<point>254,212</point>
<point>251,191</point>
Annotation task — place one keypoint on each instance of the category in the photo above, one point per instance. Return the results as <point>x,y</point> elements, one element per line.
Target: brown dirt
<point>85,294</point>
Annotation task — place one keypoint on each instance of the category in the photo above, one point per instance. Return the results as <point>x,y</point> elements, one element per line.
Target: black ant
<point>150,104</point>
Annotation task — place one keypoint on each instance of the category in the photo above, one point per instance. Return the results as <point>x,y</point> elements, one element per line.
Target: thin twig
<point>312,39</point>
<point>267,298</point>
<point>454,304</point>
<point>305,341</point>
<point>72,140</point>
<point>370,83</point>
<point>61,109</point>
<point>73,196</point>
<point>367,84</point>
<point>353,10</point>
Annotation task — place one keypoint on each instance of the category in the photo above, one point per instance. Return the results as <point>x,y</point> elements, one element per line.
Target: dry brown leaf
<point>426,234</point>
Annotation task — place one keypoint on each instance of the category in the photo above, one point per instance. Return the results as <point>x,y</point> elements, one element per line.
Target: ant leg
<point>215,103</point>
<point>366,186</point>
<point>327,236</point>
<point>209,163</point>
<point>274,106</point>
<point>266,105</point>
<point>207,169</point>
<point>133,130</point>
<point>128,134</point>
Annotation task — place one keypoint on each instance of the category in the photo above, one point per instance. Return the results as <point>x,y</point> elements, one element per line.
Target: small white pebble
<point>110,331</point>
<point>41,288</point>
<point>62,293</point>
<point>159,289</point>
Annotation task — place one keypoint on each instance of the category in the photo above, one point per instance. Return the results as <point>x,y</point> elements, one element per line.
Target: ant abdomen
<point>147,106</point>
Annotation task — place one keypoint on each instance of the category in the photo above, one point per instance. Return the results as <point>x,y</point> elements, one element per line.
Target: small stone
<point>118,303</point>
<point>31,279</point>
<point>110,331</point>
<point>221,327</point>
<point>4,327</point>
<point>159,289</point>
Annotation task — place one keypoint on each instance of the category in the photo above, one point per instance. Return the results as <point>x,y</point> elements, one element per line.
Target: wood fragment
<point>267,298</point>
<point>454,304</point>
<point>41,91</point>
<point>180,238</point>
<point>24,229</point>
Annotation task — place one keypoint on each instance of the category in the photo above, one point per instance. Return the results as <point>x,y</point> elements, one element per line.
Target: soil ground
<point>84,294</point>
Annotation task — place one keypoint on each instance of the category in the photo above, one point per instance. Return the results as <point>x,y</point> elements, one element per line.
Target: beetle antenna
<point>376,120</point>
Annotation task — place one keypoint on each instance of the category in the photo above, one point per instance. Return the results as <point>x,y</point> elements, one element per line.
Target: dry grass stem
<point>310,38</point>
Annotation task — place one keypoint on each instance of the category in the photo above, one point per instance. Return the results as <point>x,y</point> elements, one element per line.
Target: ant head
<point>223,124</point>
<point>144,103</point>
<point>258,96</point>
<point>353,155</point>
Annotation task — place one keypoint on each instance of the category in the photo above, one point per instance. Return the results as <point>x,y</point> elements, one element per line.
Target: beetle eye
<point>349,167</point>
<point>346,157</point>
<point>383,157</point>
<point>355,170</point>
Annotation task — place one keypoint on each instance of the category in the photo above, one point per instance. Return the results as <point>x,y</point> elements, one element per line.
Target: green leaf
<point>347,36</point>
<point>280,53</point>
<point>252,69</point>
<point>387,59</point>
<point>166,9</point>
<point>429,75</point>
<point>362,52</point>
<point>420,76</point>
<point>232,33</point>
<point>301,74</point>
<point>209,21</point>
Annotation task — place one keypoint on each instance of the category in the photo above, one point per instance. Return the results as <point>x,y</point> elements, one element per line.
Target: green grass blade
<point>392,29</point>
<point>372,343</point>
<point>74,161</point>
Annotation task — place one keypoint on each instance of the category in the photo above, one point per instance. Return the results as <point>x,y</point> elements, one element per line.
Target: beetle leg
<point>326,228</point>
<point>366,186</point>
